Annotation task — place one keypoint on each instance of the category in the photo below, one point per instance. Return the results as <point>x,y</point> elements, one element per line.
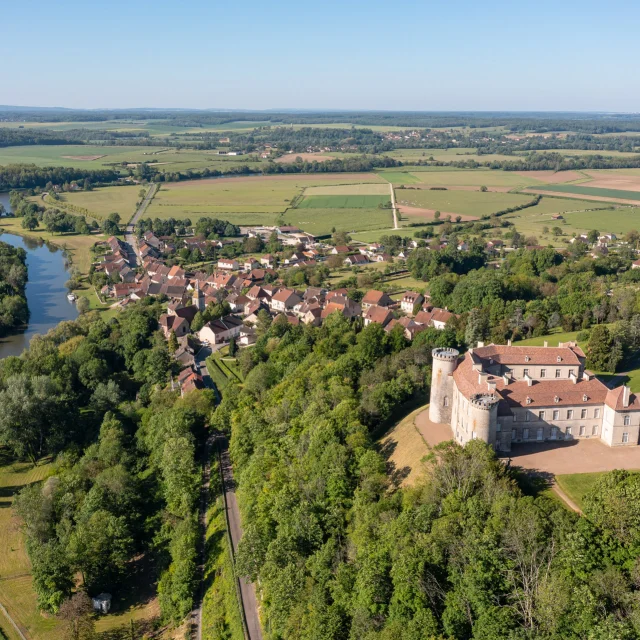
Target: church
<point>504,394</point>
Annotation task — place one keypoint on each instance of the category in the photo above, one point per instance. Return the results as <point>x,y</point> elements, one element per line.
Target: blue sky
<point>354,54</point>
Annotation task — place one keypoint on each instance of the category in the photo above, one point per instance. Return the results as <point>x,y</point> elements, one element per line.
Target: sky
<point>561,55</point>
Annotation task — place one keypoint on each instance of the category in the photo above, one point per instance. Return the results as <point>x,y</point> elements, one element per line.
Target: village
<point>247,288</point>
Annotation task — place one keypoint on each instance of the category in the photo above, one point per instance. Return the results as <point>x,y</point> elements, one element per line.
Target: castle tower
<point>444,364</point>
<point>483,417</point>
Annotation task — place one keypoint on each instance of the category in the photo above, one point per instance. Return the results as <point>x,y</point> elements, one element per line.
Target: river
<point>46,293</point>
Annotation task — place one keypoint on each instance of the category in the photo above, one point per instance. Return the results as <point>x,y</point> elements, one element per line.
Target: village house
<point>284,300</point>
<point>356,259</point>
<point>409,300</point>
<point>228,264</point>
<point>221,330</point>
<point>433,317</point>
<point>377,298</point>
<point>378,315</point>
<point>169,323</point>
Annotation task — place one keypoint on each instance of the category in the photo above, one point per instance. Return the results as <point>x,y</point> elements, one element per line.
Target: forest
<point>14,311</point>
<point>340,551</point>
<point>30,176</point>
<point>124,481</point>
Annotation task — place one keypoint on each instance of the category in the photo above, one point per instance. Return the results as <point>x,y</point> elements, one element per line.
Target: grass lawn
<point>577,485</point>
<point>220,610</point>
<point>554,337</point>
<point>343,201</point>
<point>16,590</point>
<point>618,221</point>
<point>77,245</point>
<point>471,203</point>
<point>404,448</point>
<point>101,202</point>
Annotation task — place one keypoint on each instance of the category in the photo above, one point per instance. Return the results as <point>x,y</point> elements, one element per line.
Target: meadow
<point>447,177</point>
<point>470,203</point>
<point>322,221</point>
<point>101,202</point>
<point>342,202</point>
<point>243,200</point>
<point>455,154</point>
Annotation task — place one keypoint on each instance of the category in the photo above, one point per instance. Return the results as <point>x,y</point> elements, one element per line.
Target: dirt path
<point>393,207</point>
<point>249,601</point>
<point>12,622</point>
<point>129,234</point>
<point>565,498</point>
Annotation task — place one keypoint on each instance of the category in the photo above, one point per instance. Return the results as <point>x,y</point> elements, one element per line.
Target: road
<point>393,207</point>
<point>129,234</point>
<point>249,602</point>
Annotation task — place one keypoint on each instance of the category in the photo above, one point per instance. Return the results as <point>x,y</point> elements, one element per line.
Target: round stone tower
<point>445,361</point>
<point>484,416</point>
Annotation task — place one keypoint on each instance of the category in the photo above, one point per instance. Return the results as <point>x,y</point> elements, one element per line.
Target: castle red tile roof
<point>514,355</point>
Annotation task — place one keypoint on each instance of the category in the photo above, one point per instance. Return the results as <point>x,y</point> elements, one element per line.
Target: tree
<point>233,347</point>
<point>436,215</point>
<point>83,305</point>
<point>30,222</point>
<point>599,349</point>
<point>172,343</point>
<point>77,616</point>
<point>483,188</point>
<point>198,322</point>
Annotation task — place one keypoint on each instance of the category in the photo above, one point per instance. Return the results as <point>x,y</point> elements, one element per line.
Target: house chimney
<point>573,377</point>
<point>491,386</point>
<point>529,380</point>
<point>480,345</point>
<point>506,378</point>
<point>508,343</point>
<point>482,376</point>
<point>546,344</point>
<point>626,393</point>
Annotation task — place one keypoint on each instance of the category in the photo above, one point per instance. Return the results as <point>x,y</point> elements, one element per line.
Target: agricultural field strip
<point>342,202</point>
<point>591,191</point>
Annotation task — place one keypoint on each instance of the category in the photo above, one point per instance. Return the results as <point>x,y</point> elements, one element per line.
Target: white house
<point>221,330</point>
<point>229,265</point>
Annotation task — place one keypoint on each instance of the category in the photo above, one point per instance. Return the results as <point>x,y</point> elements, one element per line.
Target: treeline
<point>30,176</point>
<point>52,219</point>
<point>339,550</point>
<point>209,228</point>
<point>10,137</point>
<point>123,485</point>
<point>14,311</point>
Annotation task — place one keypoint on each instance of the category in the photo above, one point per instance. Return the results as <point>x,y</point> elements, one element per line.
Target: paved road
<point>129,234</point>
<point>247,589</point>
<point>393,207</point>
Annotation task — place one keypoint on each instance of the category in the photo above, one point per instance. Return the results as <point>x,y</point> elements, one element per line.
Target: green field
<point>591,191</point>
<point>577,485</point>
<point>619,221</point>
<point>101,202</point>
<point>554,338</point>
<point>456,154</point>
<point>471,203</point>
<point>399,177</point>
<point>343,202</point>
<point>242,200</point>
<point>321,221</point>
<point>477,178</point>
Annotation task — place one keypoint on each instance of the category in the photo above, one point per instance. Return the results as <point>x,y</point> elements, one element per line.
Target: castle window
<point>525,434</point>
<point>583,413</point>
<point>558,372</point>
<point>527,358</point>
<point>525,372</point>
<point>625,437</point>
<point>571,372</point>
<point>583,430</point>
<point>529,400</point>
<point>559,359</point>
<point>473,435</point>
<point>540,415</point>
<point>540,434</point>
<point>594,430</point>
<point>515,418</point>
<point>556,414</point>
<point>627,421</point>
<point>527,416</point>
<point>543,373</point>
<point>445,402</point>
<point>498,427</point>
<point>556,399</point>
<point>568,432</point>
<point>570,416</point>
<point>514,435</point>
<point>596,413</point>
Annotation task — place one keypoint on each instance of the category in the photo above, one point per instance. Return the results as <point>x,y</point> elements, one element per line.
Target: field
<point>321,221</point>
<point>349,189</point>
<point>118,157</point>
<point>342,202</point>
<point>553,339</point>
<point>424,202</point>
<point>243,200</point>
<point>591,191</point>
<point>102,202</point>
<point>457,154</point>
<point>399,177</point>
<point>577,485</point>
<point>290,158</point>
<point>447,177</point>
<point>16,591</point>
